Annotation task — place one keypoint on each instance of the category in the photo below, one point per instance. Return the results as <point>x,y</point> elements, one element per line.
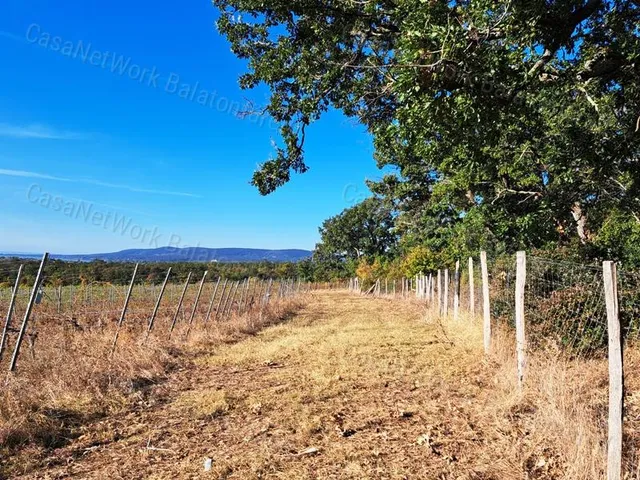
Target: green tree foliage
<point>508,124</point>
<point>58,272</point>
<point>420,260</point>
<point>363,231</point>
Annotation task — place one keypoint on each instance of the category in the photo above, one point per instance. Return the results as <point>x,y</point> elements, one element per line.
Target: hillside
<point>191,254</point>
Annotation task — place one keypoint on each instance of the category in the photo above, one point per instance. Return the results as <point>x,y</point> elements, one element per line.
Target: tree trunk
<point>581,223</point>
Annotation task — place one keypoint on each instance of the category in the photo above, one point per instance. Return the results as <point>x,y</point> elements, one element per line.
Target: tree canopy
<point>514,122</point>
<point>365,230</point>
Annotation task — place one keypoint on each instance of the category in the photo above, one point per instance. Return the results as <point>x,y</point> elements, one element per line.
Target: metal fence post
<point>27,314</point>
<point>213,298</point>
<point>12,303</point>
<point>124,309</point>
<point>157,306</point>
<point>224,288</point>
<point>175,316</point>
<point>195,304</point>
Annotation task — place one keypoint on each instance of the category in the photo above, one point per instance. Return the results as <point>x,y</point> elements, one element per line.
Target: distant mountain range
<point>191,254</point>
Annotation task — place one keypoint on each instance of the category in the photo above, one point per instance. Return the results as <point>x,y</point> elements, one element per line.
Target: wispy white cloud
<point>12,36</point>
<point>88,181</point>
<point>23,173</point>
<point>106,205</point>
<point>39,132</point>
<point>137,189</point>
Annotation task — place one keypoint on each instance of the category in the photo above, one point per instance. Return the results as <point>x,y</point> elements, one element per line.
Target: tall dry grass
<point>68,377</point>
<point>555,426</point>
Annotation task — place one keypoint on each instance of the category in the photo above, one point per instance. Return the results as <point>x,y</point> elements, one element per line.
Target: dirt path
<point>350,388</point>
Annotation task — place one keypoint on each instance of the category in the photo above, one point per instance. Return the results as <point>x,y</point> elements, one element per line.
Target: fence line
<point>88,306</point>
<point>554,307</point>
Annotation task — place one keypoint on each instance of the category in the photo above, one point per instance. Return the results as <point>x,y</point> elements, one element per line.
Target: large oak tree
<point>524,113</point>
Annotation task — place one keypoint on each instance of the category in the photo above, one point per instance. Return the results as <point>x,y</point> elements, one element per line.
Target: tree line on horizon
<point>60,272</point>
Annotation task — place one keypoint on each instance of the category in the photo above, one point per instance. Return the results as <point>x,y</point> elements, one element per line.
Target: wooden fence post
<point>439,291</point>
<point>456,291</point>
<point>427,280</point>
<point>486,304</point>
<point>431,289</point>
<point>614,444</point>
<point>27,314</point>
<point>472,293</point>
<point>59,298</point>
<point>124,309</point>
<point>521,341</point>
<point>157,305</point>
<point>425,293</point>
<point>195,304</point>
<point>257,288</point>
<point>248,294</point>
<point>175,316</point>
<point>446,292</point>
<point>12,303</point>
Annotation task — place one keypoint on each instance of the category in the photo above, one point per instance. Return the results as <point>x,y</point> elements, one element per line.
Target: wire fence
<point>557,310</point>
<point>564,302</point>
<point>34,311</point>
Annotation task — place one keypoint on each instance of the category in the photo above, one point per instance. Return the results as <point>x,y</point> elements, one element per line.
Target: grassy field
<point>351,387</point>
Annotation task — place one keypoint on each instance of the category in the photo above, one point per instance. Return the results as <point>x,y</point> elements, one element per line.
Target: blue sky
<point>124,124</point>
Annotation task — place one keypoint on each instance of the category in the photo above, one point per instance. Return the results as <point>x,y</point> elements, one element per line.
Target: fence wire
<point>502,277</point>
<point>565,307</point>
<point>73,305</point>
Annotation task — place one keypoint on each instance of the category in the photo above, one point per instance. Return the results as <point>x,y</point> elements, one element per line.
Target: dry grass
<point>555,427</point>
<point>360,388</point>
<point>556,424</point>
<point>69,380</point>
